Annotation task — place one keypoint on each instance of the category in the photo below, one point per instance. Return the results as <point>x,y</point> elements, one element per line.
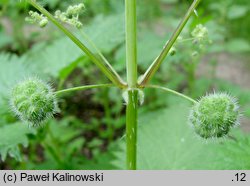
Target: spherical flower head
<point>214,115</point>
<point>61,16</point>
<point>71,16</point>
<point>75,9</point>
<point>37,18</point>
<point>33,101</point>
<point>200,33</point>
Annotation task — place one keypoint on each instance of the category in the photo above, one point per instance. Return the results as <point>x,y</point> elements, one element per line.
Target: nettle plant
<point>34,101</point>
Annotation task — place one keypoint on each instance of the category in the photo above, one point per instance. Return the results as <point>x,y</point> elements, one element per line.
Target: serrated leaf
<point>12,70</point>
<point>48,60</point>
<point>166,141</point>
<point>11,137</point>
<point>107,32</point>
<point>62,127</point>
<point>235,153</point>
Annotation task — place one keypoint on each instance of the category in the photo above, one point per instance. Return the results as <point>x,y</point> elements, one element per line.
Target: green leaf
<point>101,162</point>
<point>104,34</point>
<point>48,60</point>
<point>63,127</point>
<point>237,11</point>
<point>169,1</point>
<point>65,72</point>
<point>11,137</point>
<point>12,70</point>
<point>5,39</point>
<point>235,153</point>
<point>166,141</point>
<point>238,45</point>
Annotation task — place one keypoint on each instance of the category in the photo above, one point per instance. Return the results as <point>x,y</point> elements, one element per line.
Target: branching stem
<point>171,91</point>
<point>83,88</point>
<point>103,65</point>
<point>158,61</point>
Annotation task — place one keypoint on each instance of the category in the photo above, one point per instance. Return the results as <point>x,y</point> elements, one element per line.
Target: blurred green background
<point>88,133</point>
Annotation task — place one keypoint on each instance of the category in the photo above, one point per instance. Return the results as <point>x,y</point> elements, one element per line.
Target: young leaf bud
<point>214,115</point>
<point>33,101</point>
<point>172,51</point>
<point>141,96</point>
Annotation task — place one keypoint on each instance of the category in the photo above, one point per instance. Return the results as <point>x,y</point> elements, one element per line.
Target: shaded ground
<point>233,68</point>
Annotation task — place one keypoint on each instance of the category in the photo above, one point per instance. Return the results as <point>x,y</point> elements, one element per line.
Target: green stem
<point>131,129</point>
<point>83,88</point>
<point>171,91</point>
<point>132,104</point>
<point>131,43</point>
<point>104,66</point>
<point>158,61</point>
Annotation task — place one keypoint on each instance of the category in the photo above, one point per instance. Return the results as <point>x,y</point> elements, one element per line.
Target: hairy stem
<point>103,65</point>
<point>131,129</point>
<point>83,88</point>
<point>131,110</point>
<point>171,91</point>
<point>158,61</point>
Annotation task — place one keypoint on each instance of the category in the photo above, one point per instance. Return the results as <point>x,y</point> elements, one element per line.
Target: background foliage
<point>89,131</point>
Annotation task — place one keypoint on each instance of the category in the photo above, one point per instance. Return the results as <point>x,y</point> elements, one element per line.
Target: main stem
<point>132,104</point>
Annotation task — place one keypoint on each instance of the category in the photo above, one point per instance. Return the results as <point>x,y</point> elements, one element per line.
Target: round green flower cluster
<point>33,101</point>
<point>35,17</point>
<point>200,33</point>
<point>71,15</point>
<point>214,115</point>
<point>75,9</point>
